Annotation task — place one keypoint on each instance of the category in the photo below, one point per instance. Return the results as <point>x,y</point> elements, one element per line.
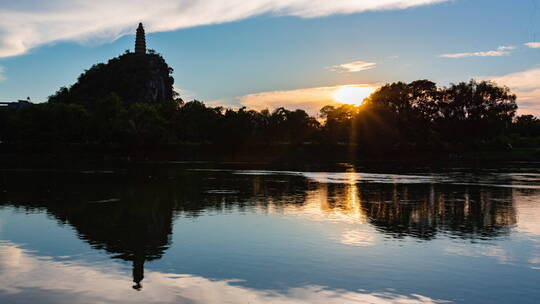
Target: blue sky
<point>271,53</point>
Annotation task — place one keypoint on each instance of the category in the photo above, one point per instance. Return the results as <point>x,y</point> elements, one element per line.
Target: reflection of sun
<point>353,94</point>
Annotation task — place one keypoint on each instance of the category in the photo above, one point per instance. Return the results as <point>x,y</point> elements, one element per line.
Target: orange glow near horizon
<point>353,94</point>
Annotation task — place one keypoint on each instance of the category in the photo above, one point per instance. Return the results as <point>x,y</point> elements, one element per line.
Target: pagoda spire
<point>140,41</point>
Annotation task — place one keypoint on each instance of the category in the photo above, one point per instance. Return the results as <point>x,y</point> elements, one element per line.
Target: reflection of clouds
<point>503,256</point>
<point>528,213</point>
<point>357,238</point>
<point>479,250</point>
<point>12,260</point>
<point>36,277</point>
<point>343,205</point>
<point>535,262</point>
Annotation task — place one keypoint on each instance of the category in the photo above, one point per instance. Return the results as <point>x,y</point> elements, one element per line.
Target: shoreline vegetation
<point>274,154</point>
<point>127,109</point>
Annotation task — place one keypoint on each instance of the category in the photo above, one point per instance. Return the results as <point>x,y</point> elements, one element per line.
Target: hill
<point>134,77</point>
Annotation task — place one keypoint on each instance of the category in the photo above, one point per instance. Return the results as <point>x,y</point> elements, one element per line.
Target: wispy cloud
<point>500,51</point>
<point>2,73</point>
<point>309,99</point>
<point>31,23</point>
<point>533,45</point>
<point>228,103</point>
<point>526,86</point>
<point>352,67</point>
<point>186,95</point>
<point>506,48</point>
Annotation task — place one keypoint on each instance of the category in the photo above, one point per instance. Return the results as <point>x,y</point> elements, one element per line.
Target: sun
<point>353,94</point>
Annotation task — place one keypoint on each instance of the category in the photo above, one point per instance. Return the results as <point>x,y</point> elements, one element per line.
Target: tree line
<point>416,115</point>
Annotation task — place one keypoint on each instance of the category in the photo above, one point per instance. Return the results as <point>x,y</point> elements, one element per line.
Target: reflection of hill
<point>134,223</point>
<point>136,229</point>
<point>131,216</point>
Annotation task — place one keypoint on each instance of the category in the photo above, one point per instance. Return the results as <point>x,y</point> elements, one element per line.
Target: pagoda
<point>140,41</point>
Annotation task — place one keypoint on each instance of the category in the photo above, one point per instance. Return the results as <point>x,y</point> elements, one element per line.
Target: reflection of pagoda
<point>135,230</point>
<point>135,226</point>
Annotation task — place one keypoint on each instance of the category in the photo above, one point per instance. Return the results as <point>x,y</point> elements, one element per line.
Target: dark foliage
<point>398,116</point>
<point>527,125</point>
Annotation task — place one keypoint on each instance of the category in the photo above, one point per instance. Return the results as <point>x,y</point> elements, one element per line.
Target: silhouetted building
<point>140,41</point>
<point>19,104</point>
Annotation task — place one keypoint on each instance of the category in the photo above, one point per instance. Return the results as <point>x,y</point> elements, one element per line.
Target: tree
<point>473,111</point>
<point>527,125</point>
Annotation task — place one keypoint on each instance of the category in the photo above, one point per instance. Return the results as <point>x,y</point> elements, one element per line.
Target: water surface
<point>192,235</point>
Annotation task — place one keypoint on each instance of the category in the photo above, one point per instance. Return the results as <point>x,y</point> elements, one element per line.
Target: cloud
<point>533,45</point>
<point>506,48</point>
<point>2,73</point>
<point>500,51</point>
<point>526,86</point>
<point>227,103</point>
<point>310,99</point>
<point>352,67</point>
<point>27,24</point>
<point>186,95</point>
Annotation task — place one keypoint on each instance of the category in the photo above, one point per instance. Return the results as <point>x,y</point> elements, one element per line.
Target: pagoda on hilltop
<point>140,40</point>
<point>135,77</point>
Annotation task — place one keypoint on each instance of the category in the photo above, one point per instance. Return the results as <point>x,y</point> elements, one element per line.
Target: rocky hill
<point>135,78</point>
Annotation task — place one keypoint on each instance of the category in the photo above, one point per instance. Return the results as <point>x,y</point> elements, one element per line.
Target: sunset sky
<point>271,53</point>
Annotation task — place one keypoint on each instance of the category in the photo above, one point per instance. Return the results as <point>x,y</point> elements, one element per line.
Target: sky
<point>272,53</point>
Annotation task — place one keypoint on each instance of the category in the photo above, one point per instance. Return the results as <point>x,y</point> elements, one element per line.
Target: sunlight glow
<point>353,94</point>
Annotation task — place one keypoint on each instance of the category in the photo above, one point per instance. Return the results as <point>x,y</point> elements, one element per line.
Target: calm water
<point>179,235</point>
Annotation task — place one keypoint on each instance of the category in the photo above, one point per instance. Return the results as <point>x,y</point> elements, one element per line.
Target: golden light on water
<point>353,94</point>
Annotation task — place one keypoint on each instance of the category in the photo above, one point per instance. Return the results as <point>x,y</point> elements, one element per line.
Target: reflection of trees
<point>417,210</point>
<point>130,215</point>
<point>422,211</point>
<point>428,210</point>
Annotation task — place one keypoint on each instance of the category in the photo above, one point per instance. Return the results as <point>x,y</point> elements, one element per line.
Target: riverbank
<point>276,154</point>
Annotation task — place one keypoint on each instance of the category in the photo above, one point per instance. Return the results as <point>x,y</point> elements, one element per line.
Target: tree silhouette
<point>397,117</point>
